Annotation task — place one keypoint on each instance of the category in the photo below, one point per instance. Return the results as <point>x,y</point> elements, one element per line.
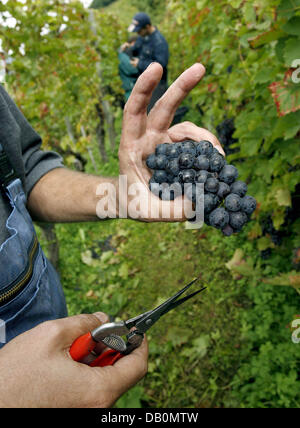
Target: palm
<point>142,133</point>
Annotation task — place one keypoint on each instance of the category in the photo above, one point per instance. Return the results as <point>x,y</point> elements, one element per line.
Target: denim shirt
<point>23,147</point>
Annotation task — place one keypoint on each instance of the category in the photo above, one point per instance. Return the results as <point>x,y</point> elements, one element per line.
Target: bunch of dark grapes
<point>225,132</point>
<point>269,229</point>
<point>226,205</point>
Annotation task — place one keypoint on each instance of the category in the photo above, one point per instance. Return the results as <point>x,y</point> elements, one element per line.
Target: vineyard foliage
<point>251,51</point>
<point>62,70</point>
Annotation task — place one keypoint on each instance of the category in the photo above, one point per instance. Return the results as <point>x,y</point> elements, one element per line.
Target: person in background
<point>150,46</point>
<point>128,72</point>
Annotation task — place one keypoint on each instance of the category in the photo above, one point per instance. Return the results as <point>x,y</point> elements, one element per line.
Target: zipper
<point>24,278</point>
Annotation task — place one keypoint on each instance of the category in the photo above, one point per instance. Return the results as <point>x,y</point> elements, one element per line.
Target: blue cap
<point>139,21</point>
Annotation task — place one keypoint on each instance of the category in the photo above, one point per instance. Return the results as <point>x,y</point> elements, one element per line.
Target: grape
<point>219,218</point>
<point>204,148</point>
<point>224,190</point>
<point>216,163</point>
<point>187,176</point>
<point>188,147</point>
<point>160,176</point>
<point>213,175</point>
<point>173,151</point>
<point>170,178</point>
<point>172,166</point>
<point>233,202</point>
<point>212,185</point>
<point>248,204</point>
<point>151,161</point>
<point>225,131</point>
<point>227,230</point>
<point>201,162</point>
<point>186,160</point>
<point>170,192</point>
<point>237,219</point>
<point>215,152</point>
<point>239,187</point>
<point>161,161</point>
<point>201,176</point>
<point>228,174</point>
<point>190,193</point>
<point>162,149</point>
<point>209,203</point>
<point>152,181</point>
<point>265,254</point>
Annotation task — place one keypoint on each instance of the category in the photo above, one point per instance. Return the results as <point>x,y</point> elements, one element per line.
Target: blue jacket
<point>152,48</point>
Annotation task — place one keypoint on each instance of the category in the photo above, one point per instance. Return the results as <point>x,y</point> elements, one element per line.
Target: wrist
<point>107,199</point>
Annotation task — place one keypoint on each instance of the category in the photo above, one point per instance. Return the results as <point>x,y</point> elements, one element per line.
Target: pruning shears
<point>82,349</point>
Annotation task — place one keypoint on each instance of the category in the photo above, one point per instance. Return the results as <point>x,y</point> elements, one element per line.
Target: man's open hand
<point>142,133</point>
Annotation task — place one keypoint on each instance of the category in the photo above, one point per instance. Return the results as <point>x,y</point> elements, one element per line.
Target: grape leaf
<point>286,95</point>
<point>292,50</point>
<point>283,197</point>
<point>293,26</point>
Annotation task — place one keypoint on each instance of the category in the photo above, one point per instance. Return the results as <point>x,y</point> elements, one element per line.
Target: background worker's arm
<point>125,65</point>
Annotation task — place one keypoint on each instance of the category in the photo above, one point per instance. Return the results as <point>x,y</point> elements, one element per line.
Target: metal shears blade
<point>134,329</point>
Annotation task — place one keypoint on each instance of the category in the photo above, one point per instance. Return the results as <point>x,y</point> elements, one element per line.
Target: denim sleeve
<point>23,145</point>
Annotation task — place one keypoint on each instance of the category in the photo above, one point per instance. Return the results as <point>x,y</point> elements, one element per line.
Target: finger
<point>73,327</point>
<point>135,111</point>
<point>127,371</point>
<point>162,114</point>
<point>188,130</point>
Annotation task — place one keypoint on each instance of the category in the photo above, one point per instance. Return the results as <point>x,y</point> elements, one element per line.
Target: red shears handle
<point>84,345</point>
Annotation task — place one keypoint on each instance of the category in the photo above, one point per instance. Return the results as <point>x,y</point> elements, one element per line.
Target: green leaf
<point>200,345</point>
<point>287,279</point>
<point>236,260</point>
<point>87,259</point>
<point>249,12</point>
<point>267,37</point>
<point>123,271</point>
<point>283,197</point>
<point>278,218</point>
<point>131,399</point>
<point>198,349</point>
<point>292,51</point>
<point>106,256</point>
<point>263,243</point>
<point>235,3</point>
<point>293,26</point>
<point>177,336</point>
<point>264,75</point>
<point>287,126</point>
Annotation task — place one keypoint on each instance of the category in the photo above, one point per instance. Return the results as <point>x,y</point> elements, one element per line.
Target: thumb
<point>73,327</point>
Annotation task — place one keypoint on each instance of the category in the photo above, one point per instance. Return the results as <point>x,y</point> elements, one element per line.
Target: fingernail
<point>102,316</point>
<point>154,62</point>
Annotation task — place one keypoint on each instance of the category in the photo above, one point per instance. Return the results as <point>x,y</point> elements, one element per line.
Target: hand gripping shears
<point>82,349</point>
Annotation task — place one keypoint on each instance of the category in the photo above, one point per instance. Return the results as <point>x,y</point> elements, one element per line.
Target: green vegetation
<point>231,347</point>
<point>97,4</point>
